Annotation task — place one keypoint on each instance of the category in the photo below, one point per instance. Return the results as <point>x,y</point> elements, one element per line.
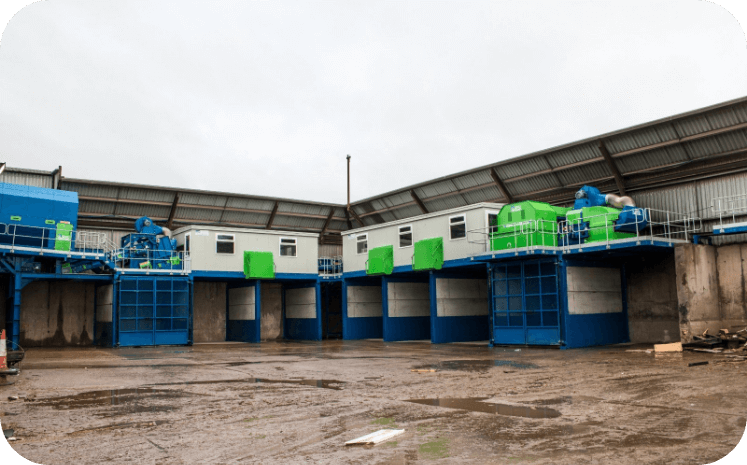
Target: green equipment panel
<point>63,237</point>
<point>259,265</point>
<point>380,260</point>
<point>526,224</point>
<point>601,223</point>
<point>428,254</point>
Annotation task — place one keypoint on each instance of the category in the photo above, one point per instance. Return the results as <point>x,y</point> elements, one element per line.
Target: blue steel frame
<point>245,330</point>
<point>408,328</point>
<point>445,329</point>
<point>524,289</point>
<point>360,327</point>
<point>597,328</point>
<point>307,329</point>
<point>153,310</point>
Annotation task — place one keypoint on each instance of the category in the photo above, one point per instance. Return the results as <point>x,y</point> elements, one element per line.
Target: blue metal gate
<point>153,311</point>
<point>525,303</point>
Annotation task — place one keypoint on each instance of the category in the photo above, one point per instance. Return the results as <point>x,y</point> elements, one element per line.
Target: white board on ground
<point>375,438</point>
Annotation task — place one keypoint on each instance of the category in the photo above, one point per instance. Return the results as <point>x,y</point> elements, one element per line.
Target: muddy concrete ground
<point>299,402</point>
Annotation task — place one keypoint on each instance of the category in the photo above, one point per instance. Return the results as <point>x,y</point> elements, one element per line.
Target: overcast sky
<point>268,97</point>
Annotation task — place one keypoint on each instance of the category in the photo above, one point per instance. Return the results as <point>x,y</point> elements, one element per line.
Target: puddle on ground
<point>320,383</point>
<point>476,404</point>
<point>108,397</point>
<point>477,365</point>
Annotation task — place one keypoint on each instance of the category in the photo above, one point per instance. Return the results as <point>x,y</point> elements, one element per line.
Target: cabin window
<point>457,227</point>
<point>492,222</point>
<point>224,243</point>
<point>405,236</point>
<point>288,247</point>
<point>361,244</point>
<point>184,247</point>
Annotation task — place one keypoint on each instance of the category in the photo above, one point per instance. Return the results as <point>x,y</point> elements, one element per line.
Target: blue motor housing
<point>632,220</point>
<point>589,196</point>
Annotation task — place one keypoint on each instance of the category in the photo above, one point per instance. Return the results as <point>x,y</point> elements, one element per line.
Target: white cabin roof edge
<point>424,216</point>
<point>273,232</point>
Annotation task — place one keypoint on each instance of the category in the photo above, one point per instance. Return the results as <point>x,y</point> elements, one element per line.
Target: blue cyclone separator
<point>360,327</point>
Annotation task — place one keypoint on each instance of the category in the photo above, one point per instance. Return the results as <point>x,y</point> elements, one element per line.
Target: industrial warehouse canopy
<point>688,147</point>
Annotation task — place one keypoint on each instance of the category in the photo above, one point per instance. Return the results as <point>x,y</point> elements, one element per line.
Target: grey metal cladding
<point>522,167</point>
<point>584,173</point>
<point>534,183</point>
<point>250,204</point>
<point>573,155</point>
<point>652,159</point>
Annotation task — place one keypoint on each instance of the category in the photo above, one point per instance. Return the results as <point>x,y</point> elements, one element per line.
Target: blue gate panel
<point>459,328</point>
<point>306,329</point>
<point>153,311</point>
<point>596,328</point>
<point>526,302</point>
<point>362,328</point>
<point>407,328</point>
<point>245,330</point>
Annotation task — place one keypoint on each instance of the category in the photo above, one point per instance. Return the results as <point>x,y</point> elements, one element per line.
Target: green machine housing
<point>259,265</point>
<point>526,224</point>
<point>428,254</point>
<point>601,224</point>
<point>380,260</point>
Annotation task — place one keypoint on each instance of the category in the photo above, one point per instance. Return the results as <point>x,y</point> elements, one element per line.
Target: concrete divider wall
<point>652,300</point>
<point>364,301</point>
<point>594,290</point>
<point>300,303</point>
<point>57,313</point>
<point>461,297</point>
<point>209,312</point>
<point>408,300</point>
<point>710,288</point>
<point>241,303</point>
<point>271,306</point>
<point>104,327</point>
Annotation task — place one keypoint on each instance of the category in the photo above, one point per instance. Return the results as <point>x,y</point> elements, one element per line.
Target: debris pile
<point>725,342</point>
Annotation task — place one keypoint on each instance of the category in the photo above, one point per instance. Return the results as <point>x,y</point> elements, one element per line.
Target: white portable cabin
<point>221,249</point>
<point>450,305</point>
<point>463,229</point>
<point>217,254</point>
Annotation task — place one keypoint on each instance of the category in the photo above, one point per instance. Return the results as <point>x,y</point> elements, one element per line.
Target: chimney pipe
<point>348,158</point>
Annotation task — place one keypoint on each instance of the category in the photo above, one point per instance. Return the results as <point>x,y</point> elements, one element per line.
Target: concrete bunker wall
<point>272,311</point>
<point>209,311</point>
<point>57,313</point>
<point>652,300</point>
<point>408,300</point>
<point>362,310</point>
<point>461,297</point>
<point>364,301</point>
<point>300,303</point>
<point>711,288</point>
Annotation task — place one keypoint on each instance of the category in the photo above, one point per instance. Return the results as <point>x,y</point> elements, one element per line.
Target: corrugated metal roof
<point>679,149</point>
<point>26,177</point>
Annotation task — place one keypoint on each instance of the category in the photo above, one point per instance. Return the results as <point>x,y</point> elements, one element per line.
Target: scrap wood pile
<point>725,342</point>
